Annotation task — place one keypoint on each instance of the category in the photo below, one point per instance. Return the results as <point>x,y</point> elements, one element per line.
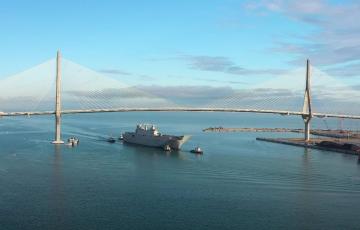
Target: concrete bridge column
<point>307,112</point>
<point>58,101</point>
<point>307,129</point>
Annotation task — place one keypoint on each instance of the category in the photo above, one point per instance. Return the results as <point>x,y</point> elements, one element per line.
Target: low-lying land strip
<point>329,144</point>
<point>344,141</point>
<point>222,129</point>
<point>336,133</point>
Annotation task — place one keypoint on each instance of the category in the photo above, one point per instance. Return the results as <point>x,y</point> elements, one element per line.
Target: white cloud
<point>224,65</point>
<point>337,35</point>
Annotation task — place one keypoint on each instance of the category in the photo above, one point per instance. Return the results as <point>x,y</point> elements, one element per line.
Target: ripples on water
<point>239,183</point>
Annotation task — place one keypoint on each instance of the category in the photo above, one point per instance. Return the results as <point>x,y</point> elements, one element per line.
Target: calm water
<point>239,183</point>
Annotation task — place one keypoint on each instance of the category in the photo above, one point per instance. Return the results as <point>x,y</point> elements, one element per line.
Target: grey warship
<point>148,135</point>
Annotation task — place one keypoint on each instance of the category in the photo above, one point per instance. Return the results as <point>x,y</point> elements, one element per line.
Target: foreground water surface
<point>238,183</point>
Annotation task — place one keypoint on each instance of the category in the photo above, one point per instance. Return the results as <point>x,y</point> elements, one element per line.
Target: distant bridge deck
<point>280,112</point>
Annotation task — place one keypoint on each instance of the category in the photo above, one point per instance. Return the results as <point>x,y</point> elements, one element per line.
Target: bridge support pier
<point>307,129</point>
<point>307,112</point>
<point>58,101</point>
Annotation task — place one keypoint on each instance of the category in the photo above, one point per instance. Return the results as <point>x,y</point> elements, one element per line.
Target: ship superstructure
<point>149,135</point>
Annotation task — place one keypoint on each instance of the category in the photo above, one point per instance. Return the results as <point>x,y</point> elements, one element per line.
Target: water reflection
<point>305,197</point>
<point>306,157</point>
<point>306,169</point>
<point>57,196</point>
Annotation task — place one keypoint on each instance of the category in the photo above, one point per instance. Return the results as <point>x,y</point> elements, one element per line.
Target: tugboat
<point>167,148</point>
<point>111,140</point>
<point>148,135</point>
<point>197,150</point>
<point>73,141</point>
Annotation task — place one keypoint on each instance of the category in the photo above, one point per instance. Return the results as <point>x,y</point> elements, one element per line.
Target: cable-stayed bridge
<point>77,89</point>
<point>180,109</point>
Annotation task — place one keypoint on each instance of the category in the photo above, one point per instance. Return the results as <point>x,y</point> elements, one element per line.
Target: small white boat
<point>167,148</point>
<point>197,150</point>
<point>121,137</point>
<point>73,141</point>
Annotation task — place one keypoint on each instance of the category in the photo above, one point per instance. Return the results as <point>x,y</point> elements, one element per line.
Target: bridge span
<point>180,109</point>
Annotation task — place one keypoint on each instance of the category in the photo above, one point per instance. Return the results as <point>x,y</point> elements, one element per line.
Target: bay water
<point>238,183</point>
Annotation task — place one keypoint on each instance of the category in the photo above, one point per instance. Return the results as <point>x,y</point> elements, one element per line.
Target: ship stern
<point>176,144</point>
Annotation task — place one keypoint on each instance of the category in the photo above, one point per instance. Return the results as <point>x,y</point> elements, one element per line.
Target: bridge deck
<point>280,112</point>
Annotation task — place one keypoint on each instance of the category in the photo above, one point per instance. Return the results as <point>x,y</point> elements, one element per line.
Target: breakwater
<point>335,133</point>
<point>222,129</point>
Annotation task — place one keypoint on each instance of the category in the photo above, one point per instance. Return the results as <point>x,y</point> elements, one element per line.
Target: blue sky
<point>183,42</point>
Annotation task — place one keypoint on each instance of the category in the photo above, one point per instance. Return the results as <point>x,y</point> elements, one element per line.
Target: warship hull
<point>175,142</point>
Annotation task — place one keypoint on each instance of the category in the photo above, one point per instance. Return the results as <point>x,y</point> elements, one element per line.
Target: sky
<point>185,42</point>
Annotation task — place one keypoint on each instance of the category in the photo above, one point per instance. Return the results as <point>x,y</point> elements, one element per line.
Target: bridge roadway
<point>280,112</point>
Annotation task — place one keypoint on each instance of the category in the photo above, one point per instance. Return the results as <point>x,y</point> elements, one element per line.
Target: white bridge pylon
<point>307,112</point>
<point>58,101</point>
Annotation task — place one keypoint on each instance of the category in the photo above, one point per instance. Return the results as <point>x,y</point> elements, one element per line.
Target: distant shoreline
<point>318,132</point>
